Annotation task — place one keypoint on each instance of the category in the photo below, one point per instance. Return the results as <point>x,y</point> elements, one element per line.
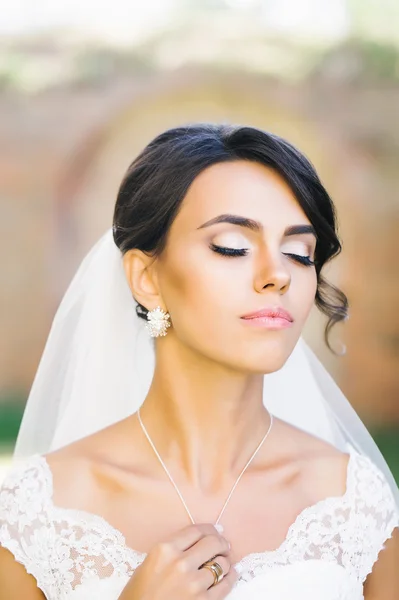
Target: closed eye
<point>229,251</point>
<point>303,260</point>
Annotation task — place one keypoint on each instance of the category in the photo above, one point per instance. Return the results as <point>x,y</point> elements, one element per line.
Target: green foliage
<point>387,440</point>
<point>10,419</point>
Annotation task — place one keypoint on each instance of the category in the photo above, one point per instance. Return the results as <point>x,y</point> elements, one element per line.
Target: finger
<point>206,574</point>
<point>202,578</point>
<point>221,589</point>
<point>190,535</point>
<point>205,549</point>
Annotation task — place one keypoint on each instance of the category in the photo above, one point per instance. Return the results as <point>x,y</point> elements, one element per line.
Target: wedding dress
<point>75,555</point>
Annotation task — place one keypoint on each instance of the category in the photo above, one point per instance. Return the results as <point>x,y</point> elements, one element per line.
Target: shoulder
<point>371,493</point>
<point>374,518</point>
<point>326,468</point>
<point>26,478</point>
<point>93,470</point>
<point>25,496</point>
<point>351,474</point>
<point>328,471</point>
<point>321,467</point>
<point>71,475</point>
<point>83,473</point>
<point>26,533</point>
<point>358,504</point>
<point>366,515</point>
<point>31,478</point>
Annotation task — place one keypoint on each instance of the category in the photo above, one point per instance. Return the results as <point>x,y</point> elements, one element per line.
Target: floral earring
<point>158,322</point>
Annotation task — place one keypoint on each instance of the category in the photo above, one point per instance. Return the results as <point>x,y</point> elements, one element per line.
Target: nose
<point>272,272</point>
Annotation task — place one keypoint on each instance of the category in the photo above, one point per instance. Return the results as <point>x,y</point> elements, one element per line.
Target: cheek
<point>203,298</point>
<point>303,291</point>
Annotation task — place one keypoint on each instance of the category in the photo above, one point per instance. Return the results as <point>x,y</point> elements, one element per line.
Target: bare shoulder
<point>84,472</point>
<point>71,471</point>
<point>323,468</point>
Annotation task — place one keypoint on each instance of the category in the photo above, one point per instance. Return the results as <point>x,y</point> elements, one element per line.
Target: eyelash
<point>231,252</point>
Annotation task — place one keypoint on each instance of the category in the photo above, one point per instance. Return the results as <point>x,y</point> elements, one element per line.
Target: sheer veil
<point>98,363</point>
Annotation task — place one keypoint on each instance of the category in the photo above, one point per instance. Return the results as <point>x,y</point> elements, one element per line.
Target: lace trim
<point>349,530</point>
<point>24,526</point>
<point>376,514</point>
<point>102,525</point>
<point>249,565</point>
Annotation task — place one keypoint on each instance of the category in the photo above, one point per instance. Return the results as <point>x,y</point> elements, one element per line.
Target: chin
<point>261,364</point>
<point>268,360</point>
<point>266,367</point>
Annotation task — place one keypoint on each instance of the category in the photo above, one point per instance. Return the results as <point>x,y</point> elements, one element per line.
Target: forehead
<point>245,188</point>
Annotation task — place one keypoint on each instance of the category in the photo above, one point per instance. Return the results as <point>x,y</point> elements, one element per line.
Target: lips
<point>276,312</point>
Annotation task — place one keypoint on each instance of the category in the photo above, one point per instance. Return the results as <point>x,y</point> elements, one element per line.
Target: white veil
<point>98,364</point>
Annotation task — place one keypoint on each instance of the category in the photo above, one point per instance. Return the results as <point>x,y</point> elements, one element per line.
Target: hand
<point>171,568</point>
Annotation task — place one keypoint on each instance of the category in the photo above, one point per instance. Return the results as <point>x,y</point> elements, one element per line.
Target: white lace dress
<point>74,555</point>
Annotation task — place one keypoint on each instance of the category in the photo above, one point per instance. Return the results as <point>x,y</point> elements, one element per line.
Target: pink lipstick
<point>271,318</point>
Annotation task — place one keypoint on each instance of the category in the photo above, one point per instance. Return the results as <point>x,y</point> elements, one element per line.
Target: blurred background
<point>84,85</point>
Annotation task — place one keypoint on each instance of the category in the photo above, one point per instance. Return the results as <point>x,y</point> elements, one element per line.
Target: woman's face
<point>207,293</point>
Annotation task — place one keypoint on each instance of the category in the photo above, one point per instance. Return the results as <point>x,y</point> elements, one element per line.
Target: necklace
<point>174,484</point>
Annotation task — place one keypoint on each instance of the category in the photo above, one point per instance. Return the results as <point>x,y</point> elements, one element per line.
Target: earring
<point>158,322</point>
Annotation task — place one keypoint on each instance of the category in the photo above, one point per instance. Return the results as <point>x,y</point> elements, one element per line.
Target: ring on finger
<point>215,568</point>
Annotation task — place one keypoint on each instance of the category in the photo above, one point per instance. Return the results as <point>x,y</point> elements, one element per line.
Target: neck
<point>205,420</point>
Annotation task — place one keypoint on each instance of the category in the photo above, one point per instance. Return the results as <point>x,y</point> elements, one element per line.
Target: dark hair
<point>156,182</point>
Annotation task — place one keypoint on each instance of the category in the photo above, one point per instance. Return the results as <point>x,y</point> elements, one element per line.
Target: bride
<point>181,440</point>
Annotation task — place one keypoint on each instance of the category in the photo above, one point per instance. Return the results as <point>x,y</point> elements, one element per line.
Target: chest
<point>273,545</point>
<point>256,519</point>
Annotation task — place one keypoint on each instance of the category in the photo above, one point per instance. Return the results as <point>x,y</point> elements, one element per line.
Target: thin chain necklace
<point>174,484</point>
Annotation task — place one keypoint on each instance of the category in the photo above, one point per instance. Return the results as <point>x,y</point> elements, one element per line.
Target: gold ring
<point>216,569</point>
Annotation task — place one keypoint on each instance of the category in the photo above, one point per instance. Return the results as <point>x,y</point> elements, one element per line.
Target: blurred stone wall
<point>64,152</point>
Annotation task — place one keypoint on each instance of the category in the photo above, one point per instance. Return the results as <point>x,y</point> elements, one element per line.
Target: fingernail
<point>219,528</point>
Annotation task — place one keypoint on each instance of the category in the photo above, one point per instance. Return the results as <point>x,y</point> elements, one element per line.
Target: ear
<point>142,278</point>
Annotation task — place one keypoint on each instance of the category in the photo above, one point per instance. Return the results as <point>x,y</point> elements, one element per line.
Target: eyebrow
<point>256,225</point>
